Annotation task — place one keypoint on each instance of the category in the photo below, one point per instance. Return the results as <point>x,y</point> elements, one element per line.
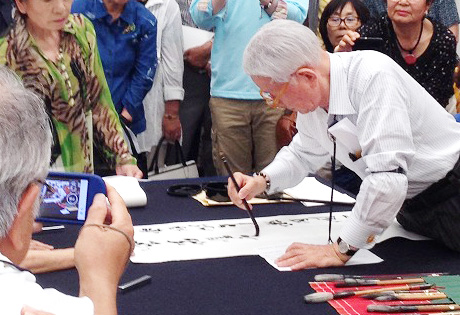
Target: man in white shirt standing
<point>104,244</point>
<point>409,145</point>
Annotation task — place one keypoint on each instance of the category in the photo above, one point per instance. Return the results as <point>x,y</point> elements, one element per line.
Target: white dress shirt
<point>18,288</point>
<point>399,126</point>
<point>167,84</point>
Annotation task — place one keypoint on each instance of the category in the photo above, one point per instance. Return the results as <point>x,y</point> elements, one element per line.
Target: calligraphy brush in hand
<point>237,187</point>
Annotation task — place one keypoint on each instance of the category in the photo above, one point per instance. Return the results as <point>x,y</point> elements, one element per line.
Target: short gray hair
<point>279,48</point>
<point>25,144</point>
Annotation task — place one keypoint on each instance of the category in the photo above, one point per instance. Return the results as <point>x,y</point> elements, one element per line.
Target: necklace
<point>65,75</point>
<point>410,58</point>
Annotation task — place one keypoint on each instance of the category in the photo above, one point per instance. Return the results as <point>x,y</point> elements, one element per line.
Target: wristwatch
<point>346,249</point>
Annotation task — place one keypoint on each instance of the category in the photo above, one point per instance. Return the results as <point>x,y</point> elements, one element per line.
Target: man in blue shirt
<point>126,37</point>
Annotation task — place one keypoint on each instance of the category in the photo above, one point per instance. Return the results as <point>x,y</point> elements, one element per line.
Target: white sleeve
<point>172,54</point>
<point>18,289</point>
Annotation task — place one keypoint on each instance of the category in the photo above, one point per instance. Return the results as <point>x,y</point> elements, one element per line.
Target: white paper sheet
<point>226,238</point>
<point>311,188</point>
<point>396,230</point>
<point>270,254</point>
<point>129,189</point>
<point>194,37</point>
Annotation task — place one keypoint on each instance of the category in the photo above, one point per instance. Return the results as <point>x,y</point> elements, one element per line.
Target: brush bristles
<point>318,297</point>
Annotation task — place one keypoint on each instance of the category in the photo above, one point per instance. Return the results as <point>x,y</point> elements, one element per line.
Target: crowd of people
<point>93,85</point>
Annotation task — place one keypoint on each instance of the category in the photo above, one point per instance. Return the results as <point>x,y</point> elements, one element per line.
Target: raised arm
<point>102,251</point>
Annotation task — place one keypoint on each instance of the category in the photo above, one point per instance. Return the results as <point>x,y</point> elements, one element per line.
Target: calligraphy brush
<point>319,297</point>
<point>281,198</point>
<point>374,295</point>
<point>438,313</point>
<point>393,296</point>
<point>245,203</point>
<point>327,277</point>
<point>352,282</point>
<point>379,308</point>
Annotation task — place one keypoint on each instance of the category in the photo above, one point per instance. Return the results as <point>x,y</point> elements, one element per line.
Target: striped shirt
<point>399,125</point>
<point>184,6</point>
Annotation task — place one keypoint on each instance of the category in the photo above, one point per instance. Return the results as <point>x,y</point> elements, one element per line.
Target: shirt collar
<point>68,27</point>
<point>339,99</point>
<point>127,15</point>
<point>153,2</point>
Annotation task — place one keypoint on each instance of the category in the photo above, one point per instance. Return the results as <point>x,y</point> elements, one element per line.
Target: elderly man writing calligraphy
<point>409,146</point>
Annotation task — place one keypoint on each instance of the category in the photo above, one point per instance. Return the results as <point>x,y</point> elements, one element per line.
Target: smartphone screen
<point>369,43</point>
<point>66,199</point>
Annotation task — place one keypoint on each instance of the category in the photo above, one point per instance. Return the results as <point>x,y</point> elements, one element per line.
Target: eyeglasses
<point>350,21</point>
<point>273,102</point>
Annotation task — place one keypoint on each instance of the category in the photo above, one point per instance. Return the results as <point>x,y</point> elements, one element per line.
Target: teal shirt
<point>234,26</point>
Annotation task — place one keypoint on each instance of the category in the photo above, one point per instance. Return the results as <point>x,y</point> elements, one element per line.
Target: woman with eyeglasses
<point>422,47</point>
<point>338,17</point>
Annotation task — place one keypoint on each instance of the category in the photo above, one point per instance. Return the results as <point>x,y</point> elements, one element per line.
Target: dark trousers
<point>195,118</point>
<point>435,212</point>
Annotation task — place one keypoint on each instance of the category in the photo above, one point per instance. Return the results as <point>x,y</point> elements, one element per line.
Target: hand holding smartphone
<point>66,197</point>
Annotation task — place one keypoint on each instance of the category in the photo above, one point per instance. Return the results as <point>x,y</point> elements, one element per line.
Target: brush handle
<point>421,296</point>
<point>397,288</point>
<point>370,282</point>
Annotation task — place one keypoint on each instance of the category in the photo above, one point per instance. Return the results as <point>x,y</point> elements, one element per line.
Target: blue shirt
<point>127,47</point>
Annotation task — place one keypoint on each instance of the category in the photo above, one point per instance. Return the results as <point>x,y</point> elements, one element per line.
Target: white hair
<point>25,144</point>
<point>279,48</point>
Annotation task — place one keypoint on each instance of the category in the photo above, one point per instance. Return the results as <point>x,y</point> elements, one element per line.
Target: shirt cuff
<point>276,176</point>
<point>172,93</point>
<point>358,234</point>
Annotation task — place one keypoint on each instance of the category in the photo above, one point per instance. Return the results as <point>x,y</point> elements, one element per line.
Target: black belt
<point>442,190</point>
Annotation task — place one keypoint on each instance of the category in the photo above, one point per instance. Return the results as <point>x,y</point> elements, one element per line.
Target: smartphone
<point>369,43</point>
<point>66,197</point>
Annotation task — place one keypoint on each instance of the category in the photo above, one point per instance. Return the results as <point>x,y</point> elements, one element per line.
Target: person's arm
<point>304,155</point>
<point>143,72</point>
<point>173,66</point>
<point>446,13</point>
<point>381,116</point>
<point>441,82</point>
<point>101,252</point>
<point>296,10</point>
<point>218,5</point>
<point>204,14</point>
<point>454,30</point>
<point>46,260</point>
<point>105,117</point>
<point>199,56</point>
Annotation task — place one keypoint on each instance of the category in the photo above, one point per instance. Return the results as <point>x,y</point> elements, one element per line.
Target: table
<point>236,285</point>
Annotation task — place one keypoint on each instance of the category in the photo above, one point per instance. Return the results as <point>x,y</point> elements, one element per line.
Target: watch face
<point>343,247</point>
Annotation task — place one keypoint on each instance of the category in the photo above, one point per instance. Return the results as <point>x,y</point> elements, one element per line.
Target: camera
<point>66,197</point>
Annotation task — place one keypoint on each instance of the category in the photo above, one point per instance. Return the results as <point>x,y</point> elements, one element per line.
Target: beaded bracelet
<point>267,180</point>
<point>106,227</point>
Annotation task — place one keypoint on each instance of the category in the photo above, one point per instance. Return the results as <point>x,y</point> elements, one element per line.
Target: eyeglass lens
<point>349,21</point>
